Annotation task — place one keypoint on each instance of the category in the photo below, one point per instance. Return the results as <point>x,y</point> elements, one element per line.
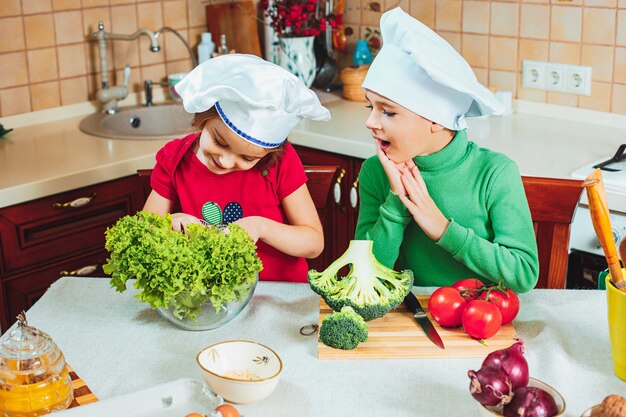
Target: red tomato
<point>228,410</point>
<point>507,303</point>
<point>481,319</point>
<point>468,284</point>
<point>446,306</point>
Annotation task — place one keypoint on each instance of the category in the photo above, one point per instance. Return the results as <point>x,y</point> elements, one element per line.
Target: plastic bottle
<point>362,54</point>
<point>223,48</point>
<point>205,48</point>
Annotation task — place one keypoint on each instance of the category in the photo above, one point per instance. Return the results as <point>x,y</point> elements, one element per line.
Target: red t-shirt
<point>179,176</point>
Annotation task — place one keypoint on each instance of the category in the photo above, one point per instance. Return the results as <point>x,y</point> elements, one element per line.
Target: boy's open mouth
<point>384,144</point>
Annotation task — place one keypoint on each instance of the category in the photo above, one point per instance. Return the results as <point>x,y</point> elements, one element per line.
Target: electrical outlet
<point>578,80</point>
<point>555,75</point>
<point>551,76</point>
<point>534,74</point>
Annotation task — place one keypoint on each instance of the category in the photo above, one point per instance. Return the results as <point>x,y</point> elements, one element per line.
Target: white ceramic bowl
<point>240,371</point>
<point>532,382</point>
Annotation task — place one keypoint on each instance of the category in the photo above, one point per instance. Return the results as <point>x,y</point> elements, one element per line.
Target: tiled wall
<point>47,60</point>
<point>495,36</point>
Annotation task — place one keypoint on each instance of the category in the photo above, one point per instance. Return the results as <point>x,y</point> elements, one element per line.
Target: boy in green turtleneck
<point>431,200</point>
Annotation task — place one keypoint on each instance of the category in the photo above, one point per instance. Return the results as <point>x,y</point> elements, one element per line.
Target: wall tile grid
<point>47,59</point>
<point>496,36</point>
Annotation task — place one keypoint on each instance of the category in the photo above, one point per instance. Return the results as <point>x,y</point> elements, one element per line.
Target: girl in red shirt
<point>239,168</point>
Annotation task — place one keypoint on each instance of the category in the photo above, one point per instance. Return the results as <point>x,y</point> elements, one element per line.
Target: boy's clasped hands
<point>406,181</point>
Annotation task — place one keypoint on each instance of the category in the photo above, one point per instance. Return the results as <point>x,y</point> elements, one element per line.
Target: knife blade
<point>414,306</point>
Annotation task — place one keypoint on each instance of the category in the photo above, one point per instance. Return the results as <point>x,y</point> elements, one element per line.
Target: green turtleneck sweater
<point>490,235</point>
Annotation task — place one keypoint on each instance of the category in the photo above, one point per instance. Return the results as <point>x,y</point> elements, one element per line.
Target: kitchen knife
<point>413,305</point>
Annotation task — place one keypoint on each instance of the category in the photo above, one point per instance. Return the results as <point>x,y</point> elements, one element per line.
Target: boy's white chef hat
<point>420,71</point>
<point>259,101</point>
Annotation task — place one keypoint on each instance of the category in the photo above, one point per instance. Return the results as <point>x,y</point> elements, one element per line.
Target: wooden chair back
<point>552,203</point>
<point>144,180</point>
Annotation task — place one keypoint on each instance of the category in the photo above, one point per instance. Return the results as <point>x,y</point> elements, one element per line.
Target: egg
<point>227,410</point>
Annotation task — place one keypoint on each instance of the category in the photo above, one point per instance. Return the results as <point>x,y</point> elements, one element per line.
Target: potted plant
<point>296,23</point>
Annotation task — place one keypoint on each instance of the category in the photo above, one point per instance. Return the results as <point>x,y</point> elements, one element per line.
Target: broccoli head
<point>343,330</point>
<point>370,288</point>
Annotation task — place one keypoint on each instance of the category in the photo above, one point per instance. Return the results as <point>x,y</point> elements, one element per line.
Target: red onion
<point>512,362</point>
<point>490,386</point>
<point>531,402</point>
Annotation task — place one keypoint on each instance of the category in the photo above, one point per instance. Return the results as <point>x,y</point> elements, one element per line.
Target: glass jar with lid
<point>34,379</point>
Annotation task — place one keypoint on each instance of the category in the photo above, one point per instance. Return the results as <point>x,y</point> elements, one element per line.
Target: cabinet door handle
<point>337,187</point>
<point>85,270</point>
<point>354,194</point>
<point>77,203</point>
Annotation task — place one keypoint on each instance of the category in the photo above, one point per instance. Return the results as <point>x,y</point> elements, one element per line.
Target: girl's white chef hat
<point>420,71</point>
<point>259,101</point>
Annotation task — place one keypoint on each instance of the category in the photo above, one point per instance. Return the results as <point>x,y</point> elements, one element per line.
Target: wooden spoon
<point>598,209</point>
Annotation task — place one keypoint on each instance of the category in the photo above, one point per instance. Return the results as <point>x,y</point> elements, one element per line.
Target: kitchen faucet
<point>147,84</point>
<point>194,61</point>
<point>147,88</point>
<point>108,95</point>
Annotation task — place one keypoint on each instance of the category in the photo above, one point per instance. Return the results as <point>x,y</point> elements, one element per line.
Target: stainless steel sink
<point>145,123</point>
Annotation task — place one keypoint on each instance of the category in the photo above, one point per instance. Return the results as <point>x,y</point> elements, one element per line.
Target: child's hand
<point>253,225</point>
<point>180,220</point>
<point>393,171</point>
<point>424,210</point>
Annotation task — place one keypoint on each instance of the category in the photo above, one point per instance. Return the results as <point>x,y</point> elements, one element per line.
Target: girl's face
<point>222,151</point>
<point>400,133</point>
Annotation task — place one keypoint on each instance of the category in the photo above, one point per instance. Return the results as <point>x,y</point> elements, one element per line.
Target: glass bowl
<point>532,382</point>
<point>209,318</point>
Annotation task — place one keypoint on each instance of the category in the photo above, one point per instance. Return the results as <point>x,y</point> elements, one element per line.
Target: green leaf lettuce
<point>180,269</point>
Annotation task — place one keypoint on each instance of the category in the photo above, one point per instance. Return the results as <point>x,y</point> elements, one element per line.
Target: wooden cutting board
<point>82,393</point>
<point>397,335</point>
<point>237,20</point>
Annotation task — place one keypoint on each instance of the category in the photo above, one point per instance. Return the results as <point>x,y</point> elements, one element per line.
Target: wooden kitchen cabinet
<point>23,290</point>
<point>340,217</point>
<point>62,234</point>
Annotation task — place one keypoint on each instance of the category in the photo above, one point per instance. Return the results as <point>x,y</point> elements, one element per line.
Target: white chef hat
<point>259,101</point>
<point>420,71</point>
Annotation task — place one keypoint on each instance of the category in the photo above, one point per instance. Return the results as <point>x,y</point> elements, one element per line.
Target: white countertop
<point>541,146</point>
<point>118,345</point>
<point>52,157</point>
<point>46,159</point>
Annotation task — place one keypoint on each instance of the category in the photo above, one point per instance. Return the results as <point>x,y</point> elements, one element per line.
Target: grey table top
<point>119,345</point>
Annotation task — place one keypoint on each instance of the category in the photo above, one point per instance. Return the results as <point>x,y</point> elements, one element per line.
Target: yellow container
<point>616,301</point>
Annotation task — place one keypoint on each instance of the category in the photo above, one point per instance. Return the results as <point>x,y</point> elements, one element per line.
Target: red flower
<point>295,17</point>
<point>375,42</point>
